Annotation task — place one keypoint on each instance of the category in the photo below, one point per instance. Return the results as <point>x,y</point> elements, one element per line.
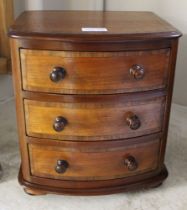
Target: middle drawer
<point>116,117</point>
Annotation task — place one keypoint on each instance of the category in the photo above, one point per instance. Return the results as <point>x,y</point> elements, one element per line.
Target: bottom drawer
<point>97,162</point>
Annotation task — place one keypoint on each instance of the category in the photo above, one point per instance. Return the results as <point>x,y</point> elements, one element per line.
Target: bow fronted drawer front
<point>75,163</point>
<point>94,72</point>
<point>113,119</point>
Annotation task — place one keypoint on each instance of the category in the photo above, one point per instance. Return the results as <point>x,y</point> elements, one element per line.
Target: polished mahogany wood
<point>136,59</point>
<point>95,147</point>
<point>66,25</point>
<point>87,164</point>
<point>95,121</point>
<point>34,192</point>
<point>94,98</point>
<point>94,45</point>
<point>149,182</point>
<point>115,72</point>
<point>19,108</point>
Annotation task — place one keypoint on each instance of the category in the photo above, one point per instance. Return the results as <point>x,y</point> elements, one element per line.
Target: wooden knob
<point>131,163</point>
<point>57,74</point>
<point>133,121</point>
<point>61,166</point>
<point>137,71</point>
<point>59,124</point>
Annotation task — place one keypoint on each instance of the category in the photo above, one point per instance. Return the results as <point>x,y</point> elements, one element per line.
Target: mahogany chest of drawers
<point>92,104</point>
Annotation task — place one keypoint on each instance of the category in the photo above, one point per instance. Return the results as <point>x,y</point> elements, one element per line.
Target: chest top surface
<point>68,24</point>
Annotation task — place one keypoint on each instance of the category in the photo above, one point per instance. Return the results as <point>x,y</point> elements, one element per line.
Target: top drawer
<point>94,72</point>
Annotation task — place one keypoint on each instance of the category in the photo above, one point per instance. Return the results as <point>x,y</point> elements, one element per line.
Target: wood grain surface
<point>93,72</point>
<point>92,165</point>
<point>93,121</point>
<point>66,25</point>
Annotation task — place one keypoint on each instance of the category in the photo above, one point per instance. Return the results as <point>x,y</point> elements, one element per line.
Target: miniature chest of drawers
<point>92,106</point>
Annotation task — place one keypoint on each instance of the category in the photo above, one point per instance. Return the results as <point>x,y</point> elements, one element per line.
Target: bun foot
<point>156,185</point>
<point>147,183</point>
<point>34,192</point>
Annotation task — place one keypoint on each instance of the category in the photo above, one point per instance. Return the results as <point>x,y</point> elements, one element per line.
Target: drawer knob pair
<point>132,121</point>
<point>130,162</point>
<point>57,74</point>
<point>137,71</point>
